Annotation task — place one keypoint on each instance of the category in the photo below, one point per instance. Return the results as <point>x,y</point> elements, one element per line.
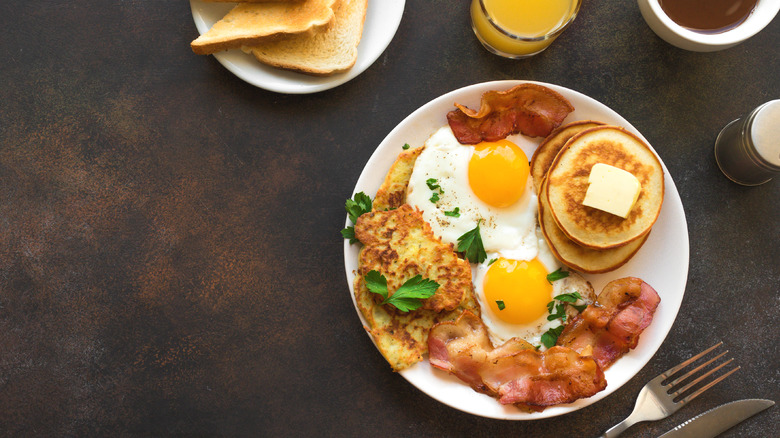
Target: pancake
<point>580,258</point>
<point>567,183</point>
<point>552,144</point>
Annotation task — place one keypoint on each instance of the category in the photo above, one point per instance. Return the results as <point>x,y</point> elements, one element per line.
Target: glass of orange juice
<point>521,28</point>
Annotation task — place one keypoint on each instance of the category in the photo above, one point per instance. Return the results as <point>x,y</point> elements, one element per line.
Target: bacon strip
<point>531,109</point>
<point>611,327</point>
<point>515,373</point>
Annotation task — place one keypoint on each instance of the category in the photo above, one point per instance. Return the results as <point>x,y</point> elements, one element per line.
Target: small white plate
<point>382,20</point>
<point>662,262</point>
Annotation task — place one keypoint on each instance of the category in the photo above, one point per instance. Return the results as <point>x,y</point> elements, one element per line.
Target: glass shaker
<point>748,149</point>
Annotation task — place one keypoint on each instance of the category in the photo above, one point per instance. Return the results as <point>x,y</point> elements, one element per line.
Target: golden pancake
<point>567,183</point>
<point>587,260</point>
<point>552,144</point>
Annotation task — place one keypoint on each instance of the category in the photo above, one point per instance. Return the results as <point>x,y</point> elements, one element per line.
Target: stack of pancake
<point>584,238</point>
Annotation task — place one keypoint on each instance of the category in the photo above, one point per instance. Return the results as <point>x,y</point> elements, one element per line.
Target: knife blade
<point>717,420</point>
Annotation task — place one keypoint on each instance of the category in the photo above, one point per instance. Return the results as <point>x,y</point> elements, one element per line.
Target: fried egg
<point>457,186</point>
<point>513,295</point>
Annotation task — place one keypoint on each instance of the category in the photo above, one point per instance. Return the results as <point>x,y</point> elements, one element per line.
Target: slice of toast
<point>252,23</point>
<point>325,53</point>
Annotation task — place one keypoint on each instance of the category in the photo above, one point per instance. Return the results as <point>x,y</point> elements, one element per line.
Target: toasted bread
<point>580,258</point>
<point>325,53</point>
<point>567,183</point>
<point>252,23</point>
<point>552,144</point>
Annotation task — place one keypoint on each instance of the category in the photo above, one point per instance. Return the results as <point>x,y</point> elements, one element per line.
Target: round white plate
<point>662,262</point>
<point>382,20</point>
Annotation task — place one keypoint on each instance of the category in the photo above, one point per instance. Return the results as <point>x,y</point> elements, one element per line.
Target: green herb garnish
<point>550,337</point>
<point>571,299</point>
<point>470,244</point>
<point>349,233</point>
<point>558,313</point>
<point>358,205</point>
<point>453,213</point>
<point>501,305</point>
<point>407,297</point>
<point>406,146</point>
<point>557,310</point>
<point>437,190</point>
<point>491,261</point>
<point>557,275</point>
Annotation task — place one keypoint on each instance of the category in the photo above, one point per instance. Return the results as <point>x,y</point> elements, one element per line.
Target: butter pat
<point>611,189</point>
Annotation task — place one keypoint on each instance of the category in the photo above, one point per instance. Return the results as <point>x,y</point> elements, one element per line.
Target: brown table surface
<point>170,257</point>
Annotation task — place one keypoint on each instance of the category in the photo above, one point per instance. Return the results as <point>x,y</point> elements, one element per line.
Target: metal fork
<point>658,399</point>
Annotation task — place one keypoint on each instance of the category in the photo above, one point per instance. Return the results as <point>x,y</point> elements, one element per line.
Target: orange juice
<point>520,28</point>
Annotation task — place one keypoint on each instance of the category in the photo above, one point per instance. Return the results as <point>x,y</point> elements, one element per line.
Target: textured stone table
<point>170,257</point>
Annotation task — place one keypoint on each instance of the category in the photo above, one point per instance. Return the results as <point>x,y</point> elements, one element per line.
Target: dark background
<point>170,258</point>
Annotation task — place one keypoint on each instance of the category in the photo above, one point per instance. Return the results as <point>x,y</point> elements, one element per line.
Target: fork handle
<point>618,428</point>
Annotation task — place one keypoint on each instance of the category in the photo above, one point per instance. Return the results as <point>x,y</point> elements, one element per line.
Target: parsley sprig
<point>470,244</point>
<point>557,275</point>
<point>557,310</point>
<point>407,297</point>
<point>453,213</point>
<point>359,204</point>
<point>550,337</point>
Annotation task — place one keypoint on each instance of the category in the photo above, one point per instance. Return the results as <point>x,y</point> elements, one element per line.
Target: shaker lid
<point>765,131</point>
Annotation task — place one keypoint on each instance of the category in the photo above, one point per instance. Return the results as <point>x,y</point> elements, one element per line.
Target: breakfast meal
<point>472,256</point>
<point>315,37</point>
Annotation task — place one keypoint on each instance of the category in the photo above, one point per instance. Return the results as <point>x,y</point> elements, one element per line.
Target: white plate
<point>382,20</point>
<point>662,262</point>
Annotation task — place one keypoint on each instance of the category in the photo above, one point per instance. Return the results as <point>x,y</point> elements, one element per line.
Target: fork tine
<point>684,364</point>
<point>695,370</point>
<point>700,378</point>
<point>706,387</point>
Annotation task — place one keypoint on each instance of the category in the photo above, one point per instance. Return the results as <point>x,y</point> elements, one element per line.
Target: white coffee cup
<point>687,39</point>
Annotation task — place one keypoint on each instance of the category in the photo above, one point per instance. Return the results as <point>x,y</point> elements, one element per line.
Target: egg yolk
<point>498,172</point>
<point>521,286</point>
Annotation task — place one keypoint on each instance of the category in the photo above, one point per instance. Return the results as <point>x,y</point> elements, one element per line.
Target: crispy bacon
<point>515,373</point>
<point>530,109</point>
<point>611,327</point>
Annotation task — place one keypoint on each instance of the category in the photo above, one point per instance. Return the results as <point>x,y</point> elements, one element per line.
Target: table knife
<point>719,419</point>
